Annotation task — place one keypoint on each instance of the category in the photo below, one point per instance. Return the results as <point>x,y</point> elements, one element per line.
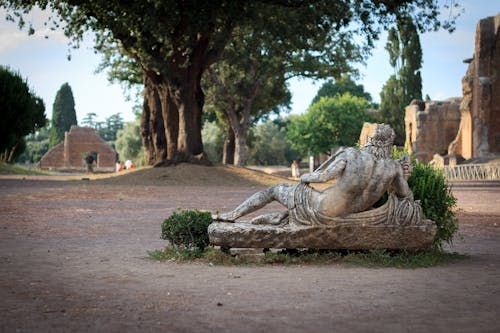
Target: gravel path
<point>73,258</point>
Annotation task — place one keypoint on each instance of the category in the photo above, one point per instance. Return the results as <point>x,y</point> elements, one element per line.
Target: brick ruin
<point>78,142</point>
<point>431,126</point>
<point>468,128</point>
<point>479,134</point>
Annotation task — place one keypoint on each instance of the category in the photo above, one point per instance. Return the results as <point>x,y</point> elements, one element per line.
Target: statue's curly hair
<point>380,144</point>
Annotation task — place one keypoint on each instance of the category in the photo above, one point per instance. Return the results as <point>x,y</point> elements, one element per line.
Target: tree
<point>90,120</point>
<point>63,114</point>
<point>22,113</point>
<point>269,145</point>
<point>37,144</point>
<point>246,84</point>
<point>330,122</point>
<point>213,140</point>
<point>174,42</point>
<point>405,85</point>
<point>112,124</point>
<point>129,144</point>
<point>341,86</point>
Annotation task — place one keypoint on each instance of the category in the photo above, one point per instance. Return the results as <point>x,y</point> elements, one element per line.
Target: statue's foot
<point>227,217</point>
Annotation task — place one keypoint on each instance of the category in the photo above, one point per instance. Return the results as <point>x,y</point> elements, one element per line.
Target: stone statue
<point>360,178</point>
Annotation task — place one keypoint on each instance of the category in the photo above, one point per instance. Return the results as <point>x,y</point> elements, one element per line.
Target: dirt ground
<point>73,258</point>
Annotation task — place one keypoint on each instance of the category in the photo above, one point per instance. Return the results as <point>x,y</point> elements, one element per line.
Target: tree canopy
<point>344,84</point>
<point>22,113</point>
<point>328,123</point>
<point>245,85</point>
<point>174,42</point>
<point>63,114</point>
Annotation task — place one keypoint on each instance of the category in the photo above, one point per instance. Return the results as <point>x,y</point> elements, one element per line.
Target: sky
<point>43,62</point>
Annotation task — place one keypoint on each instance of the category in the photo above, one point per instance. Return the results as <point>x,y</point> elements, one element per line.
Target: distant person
<point>129,164</point>
<point>295,170</point>
<point>89,160</point>
<point>119,166</point>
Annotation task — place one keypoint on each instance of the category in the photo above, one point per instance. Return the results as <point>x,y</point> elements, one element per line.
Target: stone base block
<point>352,237</point>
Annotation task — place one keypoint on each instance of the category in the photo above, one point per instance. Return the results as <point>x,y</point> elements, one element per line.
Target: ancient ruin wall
<point>479,134</point>
<point>78,142</point>
<point>431,126</point>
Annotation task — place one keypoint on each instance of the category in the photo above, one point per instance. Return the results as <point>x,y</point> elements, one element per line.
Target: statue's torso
<point>363,182</point>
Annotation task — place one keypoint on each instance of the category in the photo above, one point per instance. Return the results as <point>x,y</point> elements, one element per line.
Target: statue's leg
<point>258,200</point>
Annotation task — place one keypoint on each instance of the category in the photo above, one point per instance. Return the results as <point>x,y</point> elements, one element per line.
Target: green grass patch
<point>16,169</point>
<point>370,258</point>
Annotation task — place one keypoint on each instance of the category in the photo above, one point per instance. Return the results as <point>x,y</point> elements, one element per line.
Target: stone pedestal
<point>352,237</point>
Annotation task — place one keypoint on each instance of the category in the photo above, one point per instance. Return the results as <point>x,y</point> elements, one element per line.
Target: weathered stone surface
<point>341,216</point>
<point>352,237</point>
<point>479,133</point>
<point>69,154</point>
<point>431,127</point>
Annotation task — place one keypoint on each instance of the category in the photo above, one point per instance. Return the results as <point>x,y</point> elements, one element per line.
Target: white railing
<point>472,172</point>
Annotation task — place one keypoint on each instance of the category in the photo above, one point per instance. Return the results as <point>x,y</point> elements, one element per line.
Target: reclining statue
<point>360,178</point>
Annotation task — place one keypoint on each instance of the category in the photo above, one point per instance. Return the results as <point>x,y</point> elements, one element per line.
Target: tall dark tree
<point>21,113</point>
<point>63,114</point>
<point>405,85</point>
<point>174,42</point>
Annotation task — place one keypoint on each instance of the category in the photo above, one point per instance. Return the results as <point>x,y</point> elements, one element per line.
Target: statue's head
<point>381,142</point>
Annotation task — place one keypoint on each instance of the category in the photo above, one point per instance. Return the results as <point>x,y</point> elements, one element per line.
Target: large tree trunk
<point>240,156</point>
<point>152,126</point>
<point>228,152</point>
<point>171,121</point>
<point>173,106</point>
<point>239,121</point>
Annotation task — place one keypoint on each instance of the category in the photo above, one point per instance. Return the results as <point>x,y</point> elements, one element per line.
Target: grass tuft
<point>407,259</point>
<point>16,169</point>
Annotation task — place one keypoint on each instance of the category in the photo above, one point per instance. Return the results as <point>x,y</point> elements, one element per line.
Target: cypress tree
<point>63,114</point>
<point>405,85</point>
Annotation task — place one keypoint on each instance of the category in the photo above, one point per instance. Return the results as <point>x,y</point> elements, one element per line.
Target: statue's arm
<point>333,171</point>
<point>400,185</point>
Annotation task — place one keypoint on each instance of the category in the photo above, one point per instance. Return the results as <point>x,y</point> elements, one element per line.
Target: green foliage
<point>174,42</point>
<point>269,145</point>
<point>21,113</point>
<point>16,169</point>
<point>187,229</point>
<point>129,143</point>
<point>405,56</point>
<point>213,141</point>
<point>37,145</point>
<point>108,131</point>
<point>429,186</point>
<point>333,121</point>
<point>401,258</point>
<point>341,86</point>
<point>378,258</point>
<point>63,114</point>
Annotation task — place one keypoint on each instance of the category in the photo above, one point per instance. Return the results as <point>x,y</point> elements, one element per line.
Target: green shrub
<point>429,186</point>
<point>187,229</point>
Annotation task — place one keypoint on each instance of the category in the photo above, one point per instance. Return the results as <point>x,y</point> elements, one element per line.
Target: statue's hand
<point>407,166</point>
<point>305,178</point>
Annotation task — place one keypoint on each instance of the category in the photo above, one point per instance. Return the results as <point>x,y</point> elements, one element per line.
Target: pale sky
<point>44,63</point>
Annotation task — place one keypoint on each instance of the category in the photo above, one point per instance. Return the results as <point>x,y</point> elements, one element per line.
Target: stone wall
<point>479,133</point>
<point>78,142</point>
<point>431,126</point>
